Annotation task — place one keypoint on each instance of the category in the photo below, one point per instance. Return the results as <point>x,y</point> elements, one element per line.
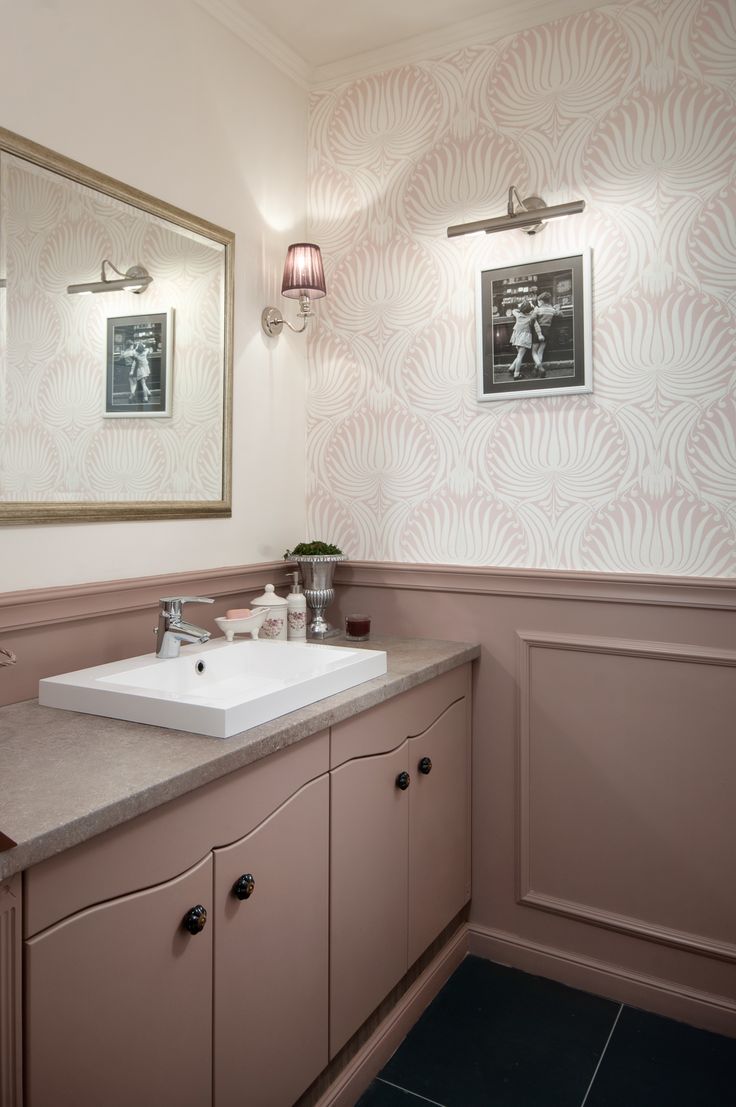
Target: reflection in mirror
<point>115,404</point>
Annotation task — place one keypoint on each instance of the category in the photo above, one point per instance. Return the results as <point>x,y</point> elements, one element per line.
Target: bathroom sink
<point>219,689</point>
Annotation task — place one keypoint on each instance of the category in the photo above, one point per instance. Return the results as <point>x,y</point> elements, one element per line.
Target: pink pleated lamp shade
<point>303,272</point>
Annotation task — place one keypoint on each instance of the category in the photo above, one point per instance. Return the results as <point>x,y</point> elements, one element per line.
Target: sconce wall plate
<point>272,321</point>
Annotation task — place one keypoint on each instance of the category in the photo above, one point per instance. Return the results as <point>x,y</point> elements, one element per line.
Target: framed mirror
<point>116,315</point>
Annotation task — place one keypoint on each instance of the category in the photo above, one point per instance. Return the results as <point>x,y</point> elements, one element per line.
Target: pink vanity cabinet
<point>119,1001</point>
<point>399,840</point>
<point>270,1017</point>
<point>121,998</point>
<point>220,949</point>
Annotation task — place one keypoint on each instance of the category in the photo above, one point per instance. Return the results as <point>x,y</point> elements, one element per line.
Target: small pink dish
<point>250,624</point>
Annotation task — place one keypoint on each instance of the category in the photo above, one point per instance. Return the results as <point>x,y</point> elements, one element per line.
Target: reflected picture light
<point>136,279</point>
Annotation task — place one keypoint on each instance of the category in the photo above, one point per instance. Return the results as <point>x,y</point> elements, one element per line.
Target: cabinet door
<point>271,947</point>
<point>439,827</point>
<point>368,911</point>
<point>119,1004</point>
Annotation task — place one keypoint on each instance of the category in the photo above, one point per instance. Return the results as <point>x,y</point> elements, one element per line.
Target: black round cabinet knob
<point>403,780</point>
<point>195,919</point>
<point>425,765</point>
<point>244,886</point>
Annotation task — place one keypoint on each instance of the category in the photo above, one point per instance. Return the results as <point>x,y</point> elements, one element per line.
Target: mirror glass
<point>115,397</point>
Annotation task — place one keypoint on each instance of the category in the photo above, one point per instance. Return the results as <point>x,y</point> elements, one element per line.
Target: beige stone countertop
<point>66,776</point>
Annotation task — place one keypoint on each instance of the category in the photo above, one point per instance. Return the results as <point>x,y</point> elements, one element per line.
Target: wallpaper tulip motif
<point>55,444</point>
<point>631,107</point>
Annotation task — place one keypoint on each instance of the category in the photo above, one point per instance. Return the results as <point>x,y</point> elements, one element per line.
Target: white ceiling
<point>317,41</point>
<point>325,31</point>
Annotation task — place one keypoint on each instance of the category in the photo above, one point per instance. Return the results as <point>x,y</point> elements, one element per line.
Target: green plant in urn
<point>317,561</point>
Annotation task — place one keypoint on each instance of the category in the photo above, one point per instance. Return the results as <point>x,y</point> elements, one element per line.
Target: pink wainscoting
<point>603,769</point>
<point>57,630</point>
<point>603,755</point>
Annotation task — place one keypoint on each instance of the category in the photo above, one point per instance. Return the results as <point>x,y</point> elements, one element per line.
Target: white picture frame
<point>138,372</point>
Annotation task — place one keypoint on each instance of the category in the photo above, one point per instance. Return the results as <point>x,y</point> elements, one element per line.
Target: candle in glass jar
<point>357,627</point>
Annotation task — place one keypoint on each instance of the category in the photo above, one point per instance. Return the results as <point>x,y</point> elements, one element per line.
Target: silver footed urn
<point>317,571</point>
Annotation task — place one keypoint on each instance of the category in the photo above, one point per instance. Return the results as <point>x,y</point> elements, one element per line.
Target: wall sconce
<point>526,216</point>
<point>303,280</point>
<point>136,279</point>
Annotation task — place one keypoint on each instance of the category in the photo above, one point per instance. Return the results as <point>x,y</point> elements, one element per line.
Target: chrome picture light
<point>303,280</point>
<point>136,279</point>
<point>527,215</point>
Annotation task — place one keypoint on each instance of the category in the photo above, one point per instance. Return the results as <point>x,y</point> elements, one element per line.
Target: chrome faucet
<point>172,630</point>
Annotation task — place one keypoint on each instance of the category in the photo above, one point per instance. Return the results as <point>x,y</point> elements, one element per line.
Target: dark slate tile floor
<point>497,1037</point>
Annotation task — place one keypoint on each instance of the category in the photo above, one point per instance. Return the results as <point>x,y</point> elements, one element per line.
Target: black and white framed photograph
<point>139,360</point>
<point>534,329</point>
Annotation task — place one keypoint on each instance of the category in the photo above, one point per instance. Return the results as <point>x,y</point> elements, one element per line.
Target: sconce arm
<point>513,192</point>
<point>273,321</point>
<point>103,274</point>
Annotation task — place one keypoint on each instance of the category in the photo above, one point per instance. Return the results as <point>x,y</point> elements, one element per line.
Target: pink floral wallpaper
<point>55,443</point>
<point>631,107</point>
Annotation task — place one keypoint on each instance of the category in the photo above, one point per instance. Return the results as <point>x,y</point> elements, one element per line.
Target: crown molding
<point>508,19</point>
<point>256,35</point>
<point>482,30</point>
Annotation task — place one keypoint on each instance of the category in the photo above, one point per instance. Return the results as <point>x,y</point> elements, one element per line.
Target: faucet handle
<point>186,599</point>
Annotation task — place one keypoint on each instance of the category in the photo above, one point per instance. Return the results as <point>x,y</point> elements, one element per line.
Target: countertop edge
<point>265,739</point>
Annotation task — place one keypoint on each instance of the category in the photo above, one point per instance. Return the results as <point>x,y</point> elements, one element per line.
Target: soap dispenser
<point>274,625</point>
<point>296,611</point>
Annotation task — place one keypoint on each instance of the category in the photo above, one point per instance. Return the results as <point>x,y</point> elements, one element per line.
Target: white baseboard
<point>704,1009</point>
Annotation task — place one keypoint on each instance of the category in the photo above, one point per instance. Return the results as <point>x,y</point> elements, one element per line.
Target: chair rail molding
<point>715,593</point>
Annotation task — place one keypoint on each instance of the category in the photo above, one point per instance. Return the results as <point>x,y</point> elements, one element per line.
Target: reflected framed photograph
<point>534,329</point>
<point>139,363</point>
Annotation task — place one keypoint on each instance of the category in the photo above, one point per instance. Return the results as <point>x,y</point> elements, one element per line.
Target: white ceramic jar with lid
<point>274,625</point>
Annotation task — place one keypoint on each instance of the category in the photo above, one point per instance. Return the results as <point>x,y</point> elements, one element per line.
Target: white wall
<point>158,94</point>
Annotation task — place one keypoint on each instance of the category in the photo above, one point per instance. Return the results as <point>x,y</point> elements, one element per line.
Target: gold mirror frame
<point>92,511</point>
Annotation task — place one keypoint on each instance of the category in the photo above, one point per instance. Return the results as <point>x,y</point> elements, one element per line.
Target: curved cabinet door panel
<point>384,727</point>
<point>270,1036</point>
<point>368,911</point>
<point>119,1002</point>
<point>147,850</point>
<point>439,827</point>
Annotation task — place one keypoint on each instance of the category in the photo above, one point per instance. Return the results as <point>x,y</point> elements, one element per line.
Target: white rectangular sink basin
<point>220,688</point>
